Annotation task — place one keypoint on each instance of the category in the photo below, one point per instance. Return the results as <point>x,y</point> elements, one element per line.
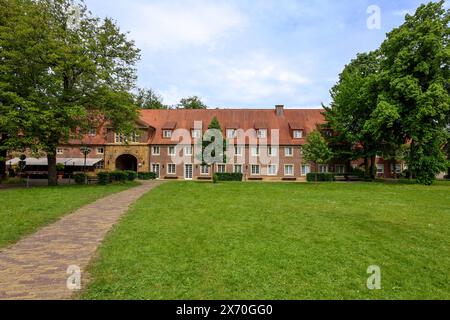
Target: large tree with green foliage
<point>354,101</point>
<point>62,70</point>
<point>192,103</point>
<point>415,86</point>
<point>149,99</point>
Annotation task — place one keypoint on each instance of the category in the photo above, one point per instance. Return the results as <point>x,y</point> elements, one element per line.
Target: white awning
<point>76,162</point>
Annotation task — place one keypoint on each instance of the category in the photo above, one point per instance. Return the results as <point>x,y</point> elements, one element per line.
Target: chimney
<point>280,110</point>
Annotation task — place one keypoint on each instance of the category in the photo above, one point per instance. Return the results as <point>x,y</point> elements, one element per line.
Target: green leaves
<point>316,149</point>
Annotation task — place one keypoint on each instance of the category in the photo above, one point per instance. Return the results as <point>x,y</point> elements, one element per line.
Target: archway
<point>126,162</point>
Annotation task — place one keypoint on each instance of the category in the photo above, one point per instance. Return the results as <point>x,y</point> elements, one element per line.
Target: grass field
<point>23,211</point>
<point>278,241</point>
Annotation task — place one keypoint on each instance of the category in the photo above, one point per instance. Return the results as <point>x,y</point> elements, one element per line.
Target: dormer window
<point>167,134</point>
<point>231,133</point>
<point>196,134</point>
<point>262,133</point>
<point>298,134</point>
<point>92,132</point>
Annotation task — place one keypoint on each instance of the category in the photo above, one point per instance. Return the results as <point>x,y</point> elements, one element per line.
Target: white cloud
<point>169,25</point>
<point>254,77</point>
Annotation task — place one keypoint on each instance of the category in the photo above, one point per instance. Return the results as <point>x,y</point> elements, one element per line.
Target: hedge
<point>227,177</point>
<point>132,175</point>
<point>321,177</point>
<point>80,178</point>
<point>119,176</point>
<point>147,176</point>
<point>103,178</point>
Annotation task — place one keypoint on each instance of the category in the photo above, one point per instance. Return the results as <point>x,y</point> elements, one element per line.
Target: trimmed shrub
<point>103,178</point>
<point>132,175</point>
<point>321,177</point>
<point>79,177</point>
<point>227,177</point>
<point>119,176</point>
<point>146,176</point>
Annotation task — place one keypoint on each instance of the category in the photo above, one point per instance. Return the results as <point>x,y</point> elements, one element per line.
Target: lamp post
<point>85,151</point>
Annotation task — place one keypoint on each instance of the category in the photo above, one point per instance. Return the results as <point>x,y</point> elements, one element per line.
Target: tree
<point>62,71</point>
<point>192,103</point>
<point>207,142</point>
<point>354,101</point>
<point>149,99</point>
<point>316,150</point>
<point>415,86</point>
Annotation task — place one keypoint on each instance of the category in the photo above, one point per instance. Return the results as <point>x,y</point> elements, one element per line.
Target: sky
<point>251,53</point>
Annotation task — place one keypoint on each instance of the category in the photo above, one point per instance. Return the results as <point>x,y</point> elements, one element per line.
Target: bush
<point>146,176</point>
<point>119,176</point>
<point>103,178</point>
<point>132,175</point>
<point>321,177</point>
<point>227,177</point>
<point>80,178</point>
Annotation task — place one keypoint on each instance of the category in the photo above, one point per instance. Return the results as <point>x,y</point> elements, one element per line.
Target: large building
<point>264,144</point>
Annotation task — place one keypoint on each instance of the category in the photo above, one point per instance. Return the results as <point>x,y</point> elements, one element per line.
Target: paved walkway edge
<point>40,266</point>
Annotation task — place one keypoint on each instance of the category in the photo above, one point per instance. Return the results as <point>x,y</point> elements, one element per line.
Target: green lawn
<point>23,211</point>
<point>278,241</point>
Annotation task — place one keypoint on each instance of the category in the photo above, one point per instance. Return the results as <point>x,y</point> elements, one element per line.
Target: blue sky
<point>249,53</point>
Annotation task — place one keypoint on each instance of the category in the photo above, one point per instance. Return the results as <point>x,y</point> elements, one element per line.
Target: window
<point>272,170</point>
<point>289,170</point>
<point>238,151</point>
<point>92,132</point>
<point>134,137</point>
<point>238,168</point>
<point>298,134</point>
<point>171,168</point>
<point>231,133</point>
<point>196,134</point>
<point>272,151</point>
<point>204,170</point>
<point>167,134</point>
<point>340,169</point>
<point>221,168</point>
<point>323,168</point>
<point>156,151</point>
<point>60,151</point>
<point>305,169</point>
<point>255,151</point>
<point>119,138</point>
<point>100,165</point>
<point>262,133</point>
<point>255,169</point>
<point>188,151</point>
<point>172,151</point>
<point>288,151</point>
<point>398,168</point>
<point>100,150</point>
<point>380,168</point>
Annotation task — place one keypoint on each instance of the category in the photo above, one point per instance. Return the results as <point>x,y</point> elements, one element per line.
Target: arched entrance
<point>126,162</point>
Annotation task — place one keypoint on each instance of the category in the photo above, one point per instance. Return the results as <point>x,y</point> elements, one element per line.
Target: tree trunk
<point>2,161</point>
<point>348,167</point>
<point>394,164</point>
<point>411,156</point>
<point>366,167</point>
<point>373,159</point>
<point>317,172</point>
<point>52,174</point>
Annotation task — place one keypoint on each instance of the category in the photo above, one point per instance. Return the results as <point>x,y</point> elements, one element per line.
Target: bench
<point>204,178</point>
<point>289,179</point>
<point>255,179</point>
<point>170,178</point>
<point>92,180</point>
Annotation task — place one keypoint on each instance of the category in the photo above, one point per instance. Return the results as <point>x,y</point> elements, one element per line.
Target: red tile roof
<point>306,119</point>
